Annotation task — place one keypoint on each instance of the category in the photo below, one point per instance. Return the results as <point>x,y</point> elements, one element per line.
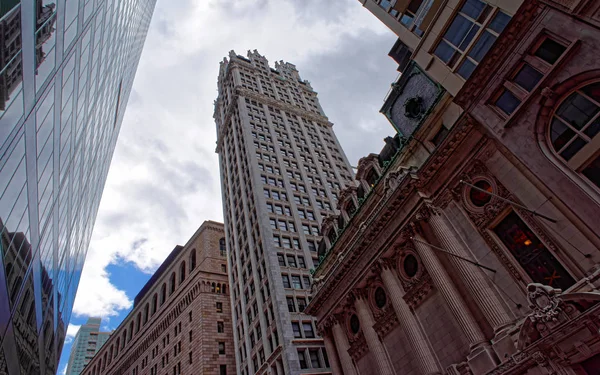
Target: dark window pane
<point>592,91</point>
<point>466,69</point>
<point>592,128</point>
<point>531,254</point>
<point>577,110</point>
<point>483,45</point>
<point>507,102</point>
<point>550,51</point>
<point>473,8</point>
<point>592,171</point>
<point>573,148</point>
<point>465,43</point>
<point>458,30</point>
<point>499,22</point>
<point>527,77</point>
<point>560,134</point>
<point>444,51</point>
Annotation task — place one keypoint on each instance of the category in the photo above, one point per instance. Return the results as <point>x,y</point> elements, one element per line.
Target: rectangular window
<point>291,261</point>
<point>290,304</point>
<point>221,347</point>
<point>315,362</point>
<point>308,330</point>
<point>527,75</point>
<point>296,329</point>
<point>301,303</point>
<point>220,327</point>
<point>296,282</point>
<point>302,359</point>
<point>301,262</point>
<point>219,307</point>
<point>281,260</point>
<point>470,36</point>
<point>286,281</point>
<point>223,370</point>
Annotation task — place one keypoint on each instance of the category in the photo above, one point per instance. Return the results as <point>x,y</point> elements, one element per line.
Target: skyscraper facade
<point>67,67</point>
<point>181,319</point>
<point>86,344</point>
<point>282,169</point>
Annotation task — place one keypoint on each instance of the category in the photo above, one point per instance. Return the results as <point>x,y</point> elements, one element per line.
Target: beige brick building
<point>181,320</point>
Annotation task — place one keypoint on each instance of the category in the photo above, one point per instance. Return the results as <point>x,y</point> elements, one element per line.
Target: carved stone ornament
<point>414,108</point>
<point>543,302</point>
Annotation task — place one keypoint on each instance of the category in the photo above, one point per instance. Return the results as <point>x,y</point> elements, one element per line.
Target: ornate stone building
<point>471,242</point>
<point>282,170</point>
<point>180,323</point>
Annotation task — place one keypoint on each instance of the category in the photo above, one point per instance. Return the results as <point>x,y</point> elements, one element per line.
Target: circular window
<point>354,324</point>
<point>410,265</point>
<point>380,297</point>
<point>480,197</point>
<point>413,108</point>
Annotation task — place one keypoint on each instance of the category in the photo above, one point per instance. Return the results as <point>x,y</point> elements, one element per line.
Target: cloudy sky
<point>164,178</point>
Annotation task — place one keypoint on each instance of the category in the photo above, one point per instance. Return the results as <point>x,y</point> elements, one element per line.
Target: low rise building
<point>181,319</point>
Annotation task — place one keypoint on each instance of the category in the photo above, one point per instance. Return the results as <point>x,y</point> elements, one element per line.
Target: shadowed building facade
<point>181,321</point>
<point>86,344</point>
<point>66,71</point>
<point>471,244</point>
<point>282,170</point>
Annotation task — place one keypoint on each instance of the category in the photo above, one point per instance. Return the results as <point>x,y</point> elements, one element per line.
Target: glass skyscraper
<point>66,71</point>
<point>86,344</point>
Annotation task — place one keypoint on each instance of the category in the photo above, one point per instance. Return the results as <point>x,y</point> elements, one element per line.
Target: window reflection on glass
<point>11,67</point>
<point>44,52</point>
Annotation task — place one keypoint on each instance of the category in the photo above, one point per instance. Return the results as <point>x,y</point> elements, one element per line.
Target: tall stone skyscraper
<point>66,71</point>
<point>282,169</point>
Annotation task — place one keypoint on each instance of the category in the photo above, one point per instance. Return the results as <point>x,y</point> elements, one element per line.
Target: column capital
<point>384,264</point>
<point>358,294</point>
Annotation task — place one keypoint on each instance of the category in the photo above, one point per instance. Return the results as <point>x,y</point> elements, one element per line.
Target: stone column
<point>481,359</point>
<point>342,345</point>
<point>472,276</point>
<point>417,340</point>
<point>332,354</point>
<point>448,290</point>
<point>371,337</point>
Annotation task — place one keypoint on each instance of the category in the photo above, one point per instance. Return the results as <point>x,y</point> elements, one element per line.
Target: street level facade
<point>471,244</point>
<point>87,342</point>
<point>282,170</point>
<point>181,320</point>
<point>66,71</point>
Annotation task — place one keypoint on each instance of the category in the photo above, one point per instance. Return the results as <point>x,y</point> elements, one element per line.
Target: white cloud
<point>72,330</point>
<point>164,178</point>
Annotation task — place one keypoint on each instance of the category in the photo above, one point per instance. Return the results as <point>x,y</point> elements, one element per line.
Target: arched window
<point>213,287</point>
<point>372,177</point>
<point>350,208</point>
<point>224,289</point>
<point>117,346</point>
<point>192,260</point>
<point>138,323</point>
<point>222,247</point>
<point>124,339</point>
<point>130,331</point>
<point>172,284</point>
<point>146,312</point>
<point>182,272</point>
<point>573,130</point>
<point>163,294</point>
<point>154,303</point>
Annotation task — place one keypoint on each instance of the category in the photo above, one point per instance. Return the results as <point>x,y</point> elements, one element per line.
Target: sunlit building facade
<point>282,169</point>
<point>87,342</point>
<point>66,71</point>
<point>473,245</point>
<point>180,323</point>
